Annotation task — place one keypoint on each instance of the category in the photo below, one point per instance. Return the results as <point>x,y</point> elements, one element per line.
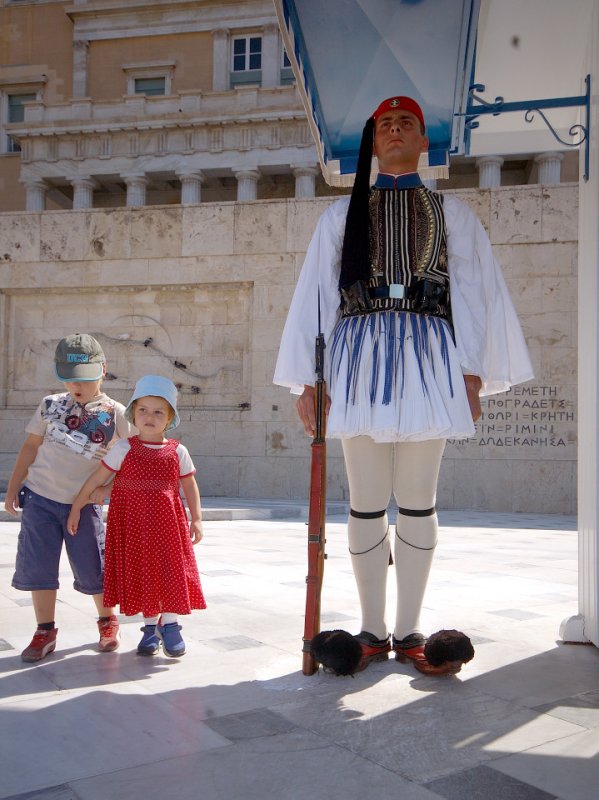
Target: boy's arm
<point>99,478</point>
<point>192,496</point>
<point>26,457</point>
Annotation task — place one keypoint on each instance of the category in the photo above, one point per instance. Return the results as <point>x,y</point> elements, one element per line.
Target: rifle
<point>316,515</point>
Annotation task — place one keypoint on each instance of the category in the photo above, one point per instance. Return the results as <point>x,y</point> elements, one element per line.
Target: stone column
<point>271,59</point>
<point>489,172</point>
<point>80,54</point>
<point>550,167</point>
<point>83,192</point>
<point>136,189</point>
<point>247,184</point>
<point>584,626</point>
<point>191,187</point>
<point>305,181</point>
<point>220,60</point>
<point>35,197</point>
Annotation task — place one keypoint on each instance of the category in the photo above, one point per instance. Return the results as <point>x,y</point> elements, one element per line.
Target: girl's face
<point>151,417</point>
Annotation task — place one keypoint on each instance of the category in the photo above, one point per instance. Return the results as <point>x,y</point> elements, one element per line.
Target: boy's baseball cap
<point>79,357</point>
<point>155,386</point>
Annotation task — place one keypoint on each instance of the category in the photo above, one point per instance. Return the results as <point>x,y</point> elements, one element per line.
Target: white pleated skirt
<point>395,376</point>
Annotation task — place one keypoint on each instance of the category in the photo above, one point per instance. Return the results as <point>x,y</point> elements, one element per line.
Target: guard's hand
<point>306,411</point>
<point>473,387</point>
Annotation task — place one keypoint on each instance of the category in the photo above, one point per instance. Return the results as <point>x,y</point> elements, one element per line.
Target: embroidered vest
<point>408,247</point>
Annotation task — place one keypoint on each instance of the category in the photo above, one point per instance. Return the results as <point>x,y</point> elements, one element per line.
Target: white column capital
<point>489,171</point>
<point>83,191</point>
<point>191,186</point>
<point>35,194</point>
<point>550,167</point>
<point>136,189</point>
<point>305,180</point>
<point>247,184</point>
<point>220,33</point>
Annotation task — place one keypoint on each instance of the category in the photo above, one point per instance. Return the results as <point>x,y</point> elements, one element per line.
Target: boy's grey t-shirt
<point>76,438</point>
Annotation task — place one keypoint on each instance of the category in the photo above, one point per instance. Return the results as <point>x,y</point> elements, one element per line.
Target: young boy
<point>67,436</point>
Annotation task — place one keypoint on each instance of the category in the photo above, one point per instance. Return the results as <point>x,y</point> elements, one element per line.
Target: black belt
<point>426,296</point>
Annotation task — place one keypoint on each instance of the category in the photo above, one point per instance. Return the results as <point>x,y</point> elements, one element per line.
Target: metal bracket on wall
<point>477,106</point>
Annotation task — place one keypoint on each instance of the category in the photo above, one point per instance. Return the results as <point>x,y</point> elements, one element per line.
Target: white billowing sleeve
<point>488,335</point>
<point>295,364</point>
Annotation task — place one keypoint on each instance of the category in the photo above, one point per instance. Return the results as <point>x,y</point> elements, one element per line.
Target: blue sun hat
<point>155,386</point>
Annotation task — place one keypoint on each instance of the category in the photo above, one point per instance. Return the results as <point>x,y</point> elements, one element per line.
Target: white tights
<point>167,618</point>
<point>410,471</point>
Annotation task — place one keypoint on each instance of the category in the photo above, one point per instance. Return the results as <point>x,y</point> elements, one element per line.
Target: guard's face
<point>398,141</point>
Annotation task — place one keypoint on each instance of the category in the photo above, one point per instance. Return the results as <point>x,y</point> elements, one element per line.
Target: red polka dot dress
<point>150,564</point>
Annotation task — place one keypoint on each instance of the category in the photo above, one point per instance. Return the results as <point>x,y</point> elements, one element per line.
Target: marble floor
<point>235,718</point>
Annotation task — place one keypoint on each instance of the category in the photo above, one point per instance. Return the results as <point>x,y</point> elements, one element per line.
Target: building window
<point>287,77</point>
<point>247,53</point>
<point>150,86</point>
<point>16,113</point>
<point>151,78</point>
<point>246,60</point>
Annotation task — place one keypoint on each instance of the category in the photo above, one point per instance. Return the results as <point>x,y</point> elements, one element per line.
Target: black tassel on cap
<point>355,255</point>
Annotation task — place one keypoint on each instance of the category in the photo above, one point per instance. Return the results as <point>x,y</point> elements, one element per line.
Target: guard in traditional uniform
<point>418,324</point>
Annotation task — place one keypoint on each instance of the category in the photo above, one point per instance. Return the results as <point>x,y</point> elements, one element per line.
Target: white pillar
<point>550,167</point>
<point>247,184</point>
<point>35,195</point>
<point>584,627</point>
<point>80,58</point>
<point>191,187</point>
<point>489,171</point>
<point>305,181</point>
<point>136,189</point>
<point>220,60</point>
<point>83,192</point>
<point>271,61</point>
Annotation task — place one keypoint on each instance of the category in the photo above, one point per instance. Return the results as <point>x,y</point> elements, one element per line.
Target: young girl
<point>150,565</point>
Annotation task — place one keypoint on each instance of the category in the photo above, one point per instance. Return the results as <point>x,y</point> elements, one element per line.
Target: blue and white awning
<point>348,55</point>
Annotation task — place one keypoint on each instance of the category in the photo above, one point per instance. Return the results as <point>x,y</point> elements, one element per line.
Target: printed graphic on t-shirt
<point>80,428</point>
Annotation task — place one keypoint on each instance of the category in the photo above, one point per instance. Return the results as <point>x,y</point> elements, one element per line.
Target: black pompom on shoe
<point>448,646</point>
<point>338,651</point>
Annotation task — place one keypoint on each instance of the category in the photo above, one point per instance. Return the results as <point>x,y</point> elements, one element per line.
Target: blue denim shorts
<point>43,531</point>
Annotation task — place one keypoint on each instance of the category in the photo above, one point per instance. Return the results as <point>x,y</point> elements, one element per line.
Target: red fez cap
<point>405,103</point>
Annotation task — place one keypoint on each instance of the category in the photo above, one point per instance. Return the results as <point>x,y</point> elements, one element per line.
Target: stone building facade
<point>106,103</point>
<point>200,293</point>
<point>158,187</point>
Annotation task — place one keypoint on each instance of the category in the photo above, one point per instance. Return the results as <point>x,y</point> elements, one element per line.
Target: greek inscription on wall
<point>525,417</point>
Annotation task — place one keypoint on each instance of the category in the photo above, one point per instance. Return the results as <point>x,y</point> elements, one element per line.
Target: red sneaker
<point>42,644</point>
<point>110,634</point>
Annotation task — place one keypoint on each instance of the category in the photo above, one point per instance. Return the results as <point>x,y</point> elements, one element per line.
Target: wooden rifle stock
<point>316,515</point>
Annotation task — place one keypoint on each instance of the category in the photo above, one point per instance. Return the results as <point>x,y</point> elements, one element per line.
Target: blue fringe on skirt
<point>394,331</point>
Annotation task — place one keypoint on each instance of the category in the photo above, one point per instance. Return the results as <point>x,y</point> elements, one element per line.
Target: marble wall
<point>200,294</point>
